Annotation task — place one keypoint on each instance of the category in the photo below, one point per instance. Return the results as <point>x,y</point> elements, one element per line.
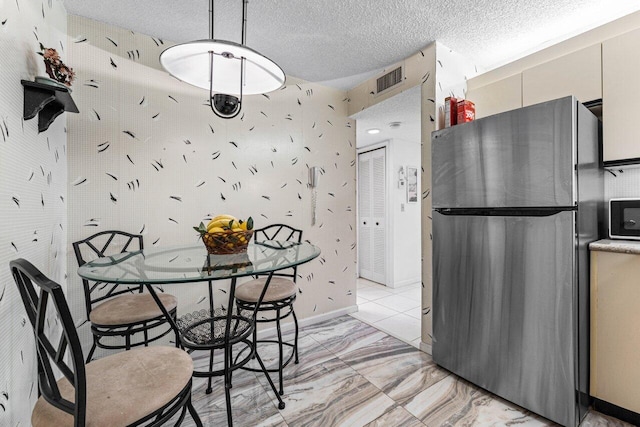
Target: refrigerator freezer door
<point>502,307</point>
<point>521,158</point>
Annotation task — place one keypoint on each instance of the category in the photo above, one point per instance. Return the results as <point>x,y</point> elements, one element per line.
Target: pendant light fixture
<point>227,69</point>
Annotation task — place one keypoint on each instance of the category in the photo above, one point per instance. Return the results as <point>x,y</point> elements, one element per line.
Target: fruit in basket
<point>224,224</point>
<point>226,234</point>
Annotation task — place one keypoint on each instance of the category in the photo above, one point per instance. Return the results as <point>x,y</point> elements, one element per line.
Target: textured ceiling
<point>343,42</point>
<point>403,108</point>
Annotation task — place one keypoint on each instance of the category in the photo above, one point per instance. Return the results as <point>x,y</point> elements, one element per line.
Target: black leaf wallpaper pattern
<point>168,163</point>
<point>33,194</point>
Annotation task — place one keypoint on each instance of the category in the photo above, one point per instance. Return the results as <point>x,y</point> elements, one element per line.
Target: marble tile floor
<point>351,374</point>
<point>395,311</point>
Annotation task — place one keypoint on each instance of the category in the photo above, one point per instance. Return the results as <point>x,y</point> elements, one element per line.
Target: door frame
<point>388,233</point>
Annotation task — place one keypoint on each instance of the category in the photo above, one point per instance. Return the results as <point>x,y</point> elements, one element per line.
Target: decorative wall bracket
<point>47,100</point>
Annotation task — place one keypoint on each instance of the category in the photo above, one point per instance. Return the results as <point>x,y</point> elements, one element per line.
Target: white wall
<point>402,234</point>
<point>33,195</point>
<point>255,165</point>
<point>406,224</point>
<point>452,72</point>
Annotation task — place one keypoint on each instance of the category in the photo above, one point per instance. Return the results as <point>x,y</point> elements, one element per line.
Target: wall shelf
<point>46,101</point>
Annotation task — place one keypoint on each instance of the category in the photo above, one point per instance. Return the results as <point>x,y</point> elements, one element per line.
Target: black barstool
<point>278,299</point>
<point>115,310</point>
<point>144,386</point>
<point>221,329</point>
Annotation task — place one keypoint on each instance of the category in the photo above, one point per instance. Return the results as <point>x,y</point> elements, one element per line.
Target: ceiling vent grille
<point>389,80</point>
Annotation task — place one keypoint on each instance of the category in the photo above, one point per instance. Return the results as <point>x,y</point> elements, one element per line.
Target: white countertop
<point>619,246</point>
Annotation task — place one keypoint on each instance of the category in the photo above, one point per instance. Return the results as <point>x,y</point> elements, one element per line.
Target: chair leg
<point>281,404</point>
<point>280,357</point>
<point>255,340</point>
<point>146,335</point>
<point>227,383</point>
<point>174,315</point>
<point>209,389</point>
<point>194,414</point>
<point>93,348</point>
<point>295,340</point>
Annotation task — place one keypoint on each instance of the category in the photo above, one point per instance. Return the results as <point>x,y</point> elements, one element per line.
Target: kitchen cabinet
<point>578,73</point>
<point>620,93</point>
<point>615,323</point>
<point>497,97</point>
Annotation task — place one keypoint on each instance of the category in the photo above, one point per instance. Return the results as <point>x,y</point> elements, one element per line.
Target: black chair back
<point>102,244</point>
<point>283,233</point>
<point>49,295</point>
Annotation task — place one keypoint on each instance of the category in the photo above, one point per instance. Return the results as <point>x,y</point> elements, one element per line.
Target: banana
<point>219,223</point>
<point>225,216</point>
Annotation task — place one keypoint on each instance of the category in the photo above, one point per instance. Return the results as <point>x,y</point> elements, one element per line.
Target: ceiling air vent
<point>389,80</point>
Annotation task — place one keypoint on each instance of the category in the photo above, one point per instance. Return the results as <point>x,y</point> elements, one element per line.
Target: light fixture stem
<point>211,80</point>
<point>211,88</point>
<point>211,19</point>
<point>242,71</point>
<point>244,21</point>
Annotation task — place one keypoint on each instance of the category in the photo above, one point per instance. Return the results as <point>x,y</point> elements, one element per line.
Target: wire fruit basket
<point>227,242</point>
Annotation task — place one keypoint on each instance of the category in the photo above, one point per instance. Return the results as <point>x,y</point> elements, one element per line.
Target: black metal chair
<point>221,329</point>
<point>145,386</point>
<point>279,297</point>
<point>116,310</point>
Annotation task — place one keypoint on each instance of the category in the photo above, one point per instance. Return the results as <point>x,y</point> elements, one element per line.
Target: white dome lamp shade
<point>223,67</point>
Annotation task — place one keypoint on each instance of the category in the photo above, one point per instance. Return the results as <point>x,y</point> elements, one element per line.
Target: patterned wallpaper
<point>440,72</point>
<point>33,193</point>
<point>446,74</point>
<point>428,113</point>
<point>147,155</point>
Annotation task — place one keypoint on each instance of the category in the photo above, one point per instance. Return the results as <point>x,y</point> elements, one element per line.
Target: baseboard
<point>616,411</point>
<point>426,347</point>
<point>308,321</point>
<point>404,283</point>
<point>407,282</point>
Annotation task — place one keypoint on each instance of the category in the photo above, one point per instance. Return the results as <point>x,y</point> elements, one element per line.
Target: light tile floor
<point>395,311</point>
<point>351,374</point>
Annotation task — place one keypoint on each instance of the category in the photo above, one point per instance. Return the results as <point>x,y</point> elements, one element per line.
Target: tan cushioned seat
<point>123,388</point>
<point>279,288</point>
<point>130,308</point>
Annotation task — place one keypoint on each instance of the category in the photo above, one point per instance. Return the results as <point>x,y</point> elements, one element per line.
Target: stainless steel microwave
<point>624,219</point>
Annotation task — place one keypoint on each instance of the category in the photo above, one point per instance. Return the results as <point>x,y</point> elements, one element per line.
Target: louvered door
<point>371,215</point>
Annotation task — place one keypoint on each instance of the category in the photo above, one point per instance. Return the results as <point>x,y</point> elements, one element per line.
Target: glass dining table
<point>220,328</point>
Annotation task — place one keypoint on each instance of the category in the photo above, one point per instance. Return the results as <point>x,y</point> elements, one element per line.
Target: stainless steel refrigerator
<point>517,197</point>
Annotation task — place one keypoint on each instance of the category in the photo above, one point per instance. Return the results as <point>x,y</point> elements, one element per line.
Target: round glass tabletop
<point>184,264</point>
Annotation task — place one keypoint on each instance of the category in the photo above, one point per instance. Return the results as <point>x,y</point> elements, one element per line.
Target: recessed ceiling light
<point>394,125</point>
<point>373,131</point>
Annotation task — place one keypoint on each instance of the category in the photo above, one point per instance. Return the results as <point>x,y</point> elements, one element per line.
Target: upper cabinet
<point>497,97</point>
<point>621,90</point>
<point>578,73</point>
<point>601,64</point>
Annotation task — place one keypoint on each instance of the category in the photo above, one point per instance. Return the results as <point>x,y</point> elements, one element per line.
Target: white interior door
<point>372,215</point>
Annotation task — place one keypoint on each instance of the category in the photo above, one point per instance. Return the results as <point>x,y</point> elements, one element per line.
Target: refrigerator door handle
<point>542,211</point>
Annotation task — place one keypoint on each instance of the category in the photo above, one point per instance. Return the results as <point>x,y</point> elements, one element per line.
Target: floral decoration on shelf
<point>56,69</point>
